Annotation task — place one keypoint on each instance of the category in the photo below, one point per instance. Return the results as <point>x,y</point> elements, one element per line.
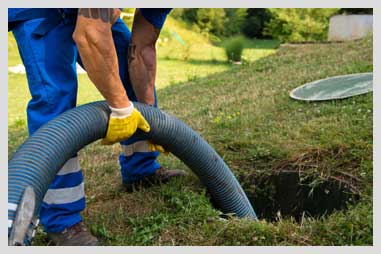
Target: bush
<point>300,24</point>
<point>234,48</point>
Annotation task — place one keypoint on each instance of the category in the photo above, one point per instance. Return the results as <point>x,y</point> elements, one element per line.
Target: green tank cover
<point>338,87</point>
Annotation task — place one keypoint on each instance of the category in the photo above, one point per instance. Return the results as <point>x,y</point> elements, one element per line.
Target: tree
<point>235,20</point>
<point>211,20</point>
<point>255,22</point>
<point>296,24</point>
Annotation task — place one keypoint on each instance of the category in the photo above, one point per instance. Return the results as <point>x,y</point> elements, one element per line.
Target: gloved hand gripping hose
<point>37,161</point>
<point>123,123</point>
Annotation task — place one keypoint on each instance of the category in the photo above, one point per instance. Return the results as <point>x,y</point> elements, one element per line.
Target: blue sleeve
<point>13,12</point>
<point>156,16</point>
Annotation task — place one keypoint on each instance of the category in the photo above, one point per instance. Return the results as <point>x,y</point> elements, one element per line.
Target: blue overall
<point>49,55</point>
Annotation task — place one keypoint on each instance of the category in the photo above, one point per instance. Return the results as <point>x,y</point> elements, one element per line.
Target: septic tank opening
<point>286,194</point>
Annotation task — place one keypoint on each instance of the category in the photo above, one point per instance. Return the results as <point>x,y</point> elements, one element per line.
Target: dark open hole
<point>287,194</point>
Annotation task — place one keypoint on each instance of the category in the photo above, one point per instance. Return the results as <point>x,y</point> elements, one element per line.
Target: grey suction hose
<point>38,160</point>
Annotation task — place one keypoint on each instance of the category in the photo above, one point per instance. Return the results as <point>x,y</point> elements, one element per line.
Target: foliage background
<point>286,24</point>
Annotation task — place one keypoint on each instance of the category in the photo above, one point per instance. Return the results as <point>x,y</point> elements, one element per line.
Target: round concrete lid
<point>338,87</point>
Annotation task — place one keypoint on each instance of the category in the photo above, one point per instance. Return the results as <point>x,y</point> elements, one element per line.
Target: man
<point>122,65</point>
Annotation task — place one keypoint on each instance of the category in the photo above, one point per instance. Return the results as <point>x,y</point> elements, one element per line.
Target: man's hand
<point>123,123</point>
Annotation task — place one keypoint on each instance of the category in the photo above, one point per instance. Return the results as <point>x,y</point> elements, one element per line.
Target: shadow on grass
<point>254,44</point>
<point>196,61</point>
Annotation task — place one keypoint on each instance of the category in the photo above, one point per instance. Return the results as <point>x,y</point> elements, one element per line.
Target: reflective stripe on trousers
<point>139,146</point>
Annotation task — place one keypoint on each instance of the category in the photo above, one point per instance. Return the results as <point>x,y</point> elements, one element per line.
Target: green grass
<point>245,113</point>
<point>13,54</point>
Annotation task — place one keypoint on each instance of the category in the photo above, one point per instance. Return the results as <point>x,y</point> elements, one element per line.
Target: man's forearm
<point>96,47</point>
<point>142,70</point>
<point>142,59</point>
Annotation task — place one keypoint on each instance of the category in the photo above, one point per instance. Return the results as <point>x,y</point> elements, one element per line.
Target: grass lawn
<point>271,142</point>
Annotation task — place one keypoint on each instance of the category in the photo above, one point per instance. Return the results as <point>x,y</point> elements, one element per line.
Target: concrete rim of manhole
<point>337,87</point>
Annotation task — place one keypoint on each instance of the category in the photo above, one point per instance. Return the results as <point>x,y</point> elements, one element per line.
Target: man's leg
<point>50,67</point>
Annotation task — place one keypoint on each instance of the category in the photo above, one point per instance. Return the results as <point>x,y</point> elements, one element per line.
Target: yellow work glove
<point>123,123</point>
<point>154,147</point>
